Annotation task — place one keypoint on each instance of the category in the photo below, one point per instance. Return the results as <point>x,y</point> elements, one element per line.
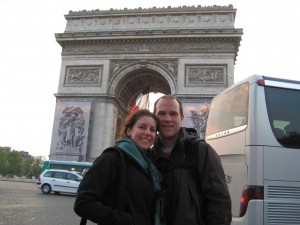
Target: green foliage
<point>12,162</point>
<point>37,166</point>
<point>3,161</point>
<point>27,165</point>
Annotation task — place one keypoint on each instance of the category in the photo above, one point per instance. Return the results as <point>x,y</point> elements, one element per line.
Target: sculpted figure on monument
<point>71,128</point>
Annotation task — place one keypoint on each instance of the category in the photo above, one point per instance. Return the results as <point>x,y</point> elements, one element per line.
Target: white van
<point>254,125</point>
<point>59,181</point>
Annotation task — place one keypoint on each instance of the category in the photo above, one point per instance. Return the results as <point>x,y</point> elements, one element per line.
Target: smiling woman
<point>143,133</point>
<point>141,127</point>
<point>143,181</point>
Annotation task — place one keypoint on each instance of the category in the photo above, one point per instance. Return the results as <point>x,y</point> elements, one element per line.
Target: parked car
<point>59,181</point>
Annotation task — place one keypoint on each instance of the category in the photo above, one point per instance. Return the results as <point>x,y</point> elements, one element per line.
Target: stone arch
<point>110,57</point>
<point>129,82</point>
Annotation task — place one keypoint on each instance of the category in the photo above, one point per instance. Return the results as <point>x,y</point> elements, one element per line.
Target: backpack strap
<point>123,180</point>
<point>122,185</point>
<point>83,221</point>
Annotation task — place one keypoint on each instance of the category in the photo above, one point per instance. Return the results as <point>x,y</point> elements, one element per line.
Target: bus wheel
<point>46,189</point>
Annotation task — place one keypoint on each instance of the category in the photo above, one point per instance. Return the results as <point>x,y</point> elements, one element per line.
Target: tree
<point>37,166</point>
<point>27,166</point>
<point>3,161</point>
<point>14,160</point>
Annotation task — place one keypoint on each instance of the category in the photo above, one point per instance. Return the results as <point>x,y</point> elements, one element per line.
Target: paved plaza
<point>21,203</point>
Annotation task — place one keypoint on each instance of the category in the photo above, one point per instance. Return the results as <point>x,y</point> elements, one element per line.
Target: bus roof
<point>68,162</point>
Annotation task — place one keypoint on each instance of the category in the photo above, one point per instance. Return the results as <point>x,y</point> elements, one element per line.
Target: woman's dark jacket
<point>194,178</point>
<point>97,193</point>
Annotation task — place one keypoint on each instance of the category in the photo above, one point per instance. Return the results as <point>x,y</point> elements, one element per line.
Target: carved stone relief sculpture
<point>83,76</point>
<point>71,129</point>
<point>195,116</point>
<point>205,74</point>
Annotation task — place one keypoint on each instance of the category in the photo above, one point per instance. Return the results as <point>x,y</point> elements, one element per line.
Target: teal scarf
<point>127,146</point>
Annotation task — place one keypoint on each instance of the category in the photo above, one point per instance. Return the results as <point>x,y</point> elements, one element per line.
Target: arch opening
<point>140,81</point>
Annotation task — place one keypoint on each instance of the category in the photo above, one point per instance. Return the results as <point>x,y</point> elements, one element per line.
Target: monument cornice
<point>152,11</point>
<point>151,19</point>
<point>137,34</point>
<point>169,40</point>
<point>74,97</point>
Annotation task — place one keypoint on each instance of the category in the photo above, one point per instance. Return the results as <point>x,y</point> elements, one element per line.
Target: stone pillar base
<point>70,154</point>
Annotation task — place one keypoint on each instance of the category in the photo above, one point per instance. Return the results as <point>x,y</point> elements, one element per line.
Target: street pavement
<point>21,203</point>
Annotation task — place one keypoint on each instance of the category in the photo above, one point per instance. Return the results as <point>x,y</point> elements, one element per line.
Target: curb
<point>18,180</point>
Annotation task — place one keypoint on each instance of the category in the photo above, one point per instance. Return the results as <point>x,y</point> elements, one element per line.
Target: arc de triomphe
<point>109,57</point>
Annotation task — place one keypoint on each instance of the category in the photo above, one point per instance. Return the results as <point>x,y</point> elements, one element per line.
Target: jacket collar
<point>185,135</point>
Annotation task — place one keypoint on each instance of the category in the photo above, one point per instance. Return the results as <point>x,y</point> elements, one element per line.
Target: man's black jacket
<point>194,179</point>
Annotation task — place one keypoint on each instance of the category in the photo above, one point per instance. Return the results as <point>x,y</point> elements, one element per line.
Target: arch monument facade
<point>109,57</point>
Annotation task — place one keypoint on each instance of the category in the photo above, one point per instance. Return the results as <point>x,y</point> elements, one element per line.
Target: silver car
<point>59,181</point>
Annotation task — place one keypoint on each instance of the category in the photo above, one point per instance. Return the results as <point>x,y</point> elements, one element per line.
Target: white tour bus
<point>254,125</point>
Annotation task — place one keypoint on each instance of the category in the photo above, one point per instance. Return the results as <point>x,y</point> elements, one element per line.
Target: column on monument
<point>104,128</point>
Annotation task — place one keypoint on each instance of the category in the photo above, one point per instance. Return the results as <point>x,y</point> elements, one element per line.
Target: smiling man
<point>196,191</point>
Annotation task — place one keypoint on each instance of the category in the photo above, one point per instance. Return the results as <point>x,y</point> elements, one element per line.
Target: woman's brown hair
<point>135,116</point>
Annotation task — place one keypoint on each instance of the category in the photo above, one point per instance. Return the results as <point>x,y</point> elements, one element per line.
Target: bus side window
<point>229,110</point>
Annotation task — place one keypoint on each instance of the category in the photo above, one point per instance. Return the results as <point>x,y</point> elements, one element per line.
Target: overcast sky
<point>30,57</point>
